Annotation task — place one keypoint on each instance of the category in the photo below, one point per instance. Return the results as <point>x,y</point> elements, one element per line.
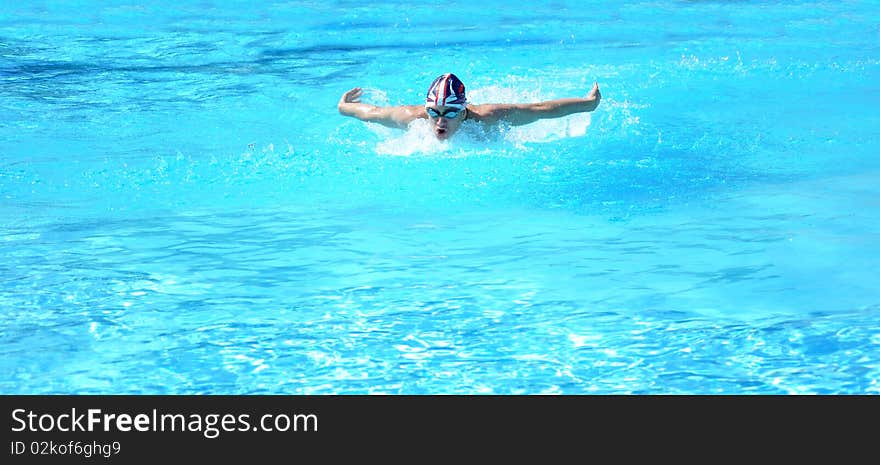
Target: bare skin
<point>489,114</point>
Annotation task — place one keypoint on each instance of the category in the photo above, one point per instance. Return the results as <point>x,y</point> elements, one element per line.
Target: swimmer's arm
<point>525,113</point>
<point>396,117</point>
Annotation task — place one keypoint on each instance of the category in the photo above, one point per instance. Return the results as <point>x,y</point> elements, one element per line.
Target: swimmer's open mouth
<point>440,132</point>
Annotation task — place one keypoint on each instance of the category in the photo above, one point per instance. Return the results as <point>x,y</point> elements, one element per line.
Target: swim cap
<point>446,90</point>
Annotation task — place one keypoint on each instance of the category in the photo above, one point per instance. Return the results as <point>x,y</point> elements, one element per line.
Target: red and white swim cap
<point>446,90</point>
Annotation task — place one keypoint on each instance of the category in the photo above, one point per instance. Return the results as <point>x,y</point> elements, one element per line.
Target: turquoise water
<point>183,210</point>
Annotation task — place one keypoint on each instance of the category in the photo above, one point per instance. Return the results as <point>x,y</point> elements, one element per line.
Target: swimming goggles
<point>449,114</point>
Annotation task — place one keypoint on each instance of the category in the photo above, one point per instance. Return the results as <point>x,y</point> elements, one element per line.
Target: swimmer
<point>446,108</point>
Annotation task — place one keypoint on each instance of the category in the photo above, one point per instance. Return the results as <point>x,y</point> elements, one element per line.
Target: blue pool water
<point>183,210</point>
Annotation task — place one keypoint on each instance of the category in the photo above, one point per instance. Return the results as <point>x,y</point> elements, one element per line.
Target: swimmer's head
<point>446,105</point>
<point>446,90</point>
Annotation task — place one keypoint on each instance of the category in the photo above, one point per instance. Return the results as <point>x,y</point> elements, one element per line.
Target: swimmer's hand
<point>352,96</point>
<point>594,96</point>
<point>350,102</point>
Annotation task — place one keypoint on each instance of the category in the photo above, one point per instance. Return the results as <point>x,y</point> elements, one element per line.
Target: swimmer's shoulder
<point>488,113</point>
<point>401,115</point>
<point>413,112</point>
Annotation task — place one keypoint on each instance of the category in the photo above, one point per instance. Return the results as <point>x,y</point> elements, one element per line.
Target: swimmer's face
<point>445,120</point>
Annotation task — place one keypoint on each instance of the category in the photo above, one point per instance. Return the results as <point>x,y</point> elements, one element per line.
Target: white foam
<point>418,138</point>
